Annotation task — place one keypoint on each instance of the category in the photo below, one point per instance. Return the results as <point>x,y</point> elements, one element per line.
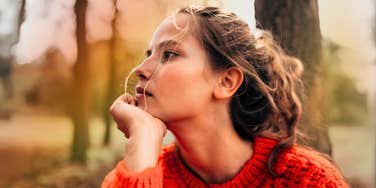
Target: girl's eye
<point>168,55</point>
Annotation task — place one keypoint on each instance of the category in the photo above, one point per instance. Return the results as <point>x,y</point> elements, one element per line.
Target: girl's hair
<point>267,101</point>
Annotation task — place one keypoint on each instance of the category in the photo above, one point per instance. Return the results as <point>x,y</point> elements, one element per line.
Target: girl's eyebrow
<point>163,45</point>
<point>168,43</point>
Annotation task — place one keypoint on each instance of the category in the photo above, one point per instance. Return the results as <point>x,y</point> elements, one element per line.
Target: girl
<point>231,100</point>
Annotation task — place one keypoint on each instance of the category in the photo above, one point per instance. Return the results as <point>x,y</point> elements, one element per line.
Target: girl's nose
<point>140,75</point>
<point>143,71</point>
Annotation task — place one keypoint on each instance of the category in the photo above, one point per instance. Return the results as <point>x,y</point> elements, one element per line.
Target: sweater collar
<point>251,175</point>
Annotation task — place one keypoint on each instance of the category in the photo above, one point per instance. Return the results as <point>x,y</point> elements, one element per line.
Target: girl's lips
<point>139,96</point>
<point>141,91</point>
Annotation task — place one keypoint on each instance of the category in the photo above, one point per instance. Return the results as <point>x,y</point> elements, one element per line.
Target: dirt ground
<point>25,138</point>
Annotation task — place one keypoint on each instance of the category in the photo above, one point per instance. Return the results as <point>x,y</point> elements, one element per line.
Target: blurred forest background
<point>63,62</point>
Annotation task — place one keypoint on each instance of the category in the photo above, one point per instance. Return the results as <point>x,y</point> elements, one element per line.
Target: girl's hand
<point>145,133</point>
<point>132,120</point>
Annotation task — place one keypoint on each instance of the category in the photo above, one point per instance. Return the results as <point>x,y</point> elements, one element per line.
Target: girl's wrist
<point>142,152</point>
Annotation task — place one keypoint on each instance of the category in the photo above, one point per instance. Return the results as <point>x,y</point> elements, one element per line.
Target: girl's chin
<point>143,108</point>
<point>147,109</point>
<point>151,111</point>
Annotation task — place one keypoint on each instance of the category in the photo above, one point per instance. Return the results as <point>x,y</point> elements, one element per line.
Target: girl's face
<point>176,75</point>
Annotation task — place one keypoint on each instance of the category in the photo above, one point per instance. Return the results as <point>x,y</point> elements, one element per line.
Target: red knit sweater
<point>300,167</point>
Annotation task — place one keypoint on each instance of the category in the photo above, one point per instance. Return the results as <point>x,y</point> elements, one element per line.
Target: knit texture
<point>299,167</point>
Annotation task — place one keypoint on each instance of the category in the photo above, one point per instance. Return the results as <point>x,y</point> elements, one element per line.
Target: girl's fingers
<point>129,99</point>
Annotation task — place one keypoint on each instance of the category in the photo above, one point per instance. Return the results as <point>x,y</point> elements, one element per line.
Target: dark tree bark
<point>6,63</point>
<point>295,25</point>
<point>21,18</point>
<point>374,24</point>
<point>80,92</point>
<point>111,90</point>
<point>5,77</point>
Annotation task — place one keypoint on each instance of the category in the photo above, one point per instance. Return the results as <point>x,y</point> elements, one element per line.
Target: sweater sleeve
<point>122,177</point>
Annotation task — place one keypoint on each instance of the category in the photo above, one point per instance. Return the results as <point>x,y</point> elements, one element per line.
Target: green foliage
<point>346,104</point>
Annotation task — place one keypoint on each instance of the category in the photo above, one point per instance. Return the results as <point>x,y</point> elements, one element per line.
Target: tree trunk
<point>21,19</point>
<point>295,25</point>
<point>80,96</point>
<point>6,67</point>
<point>111,90</point>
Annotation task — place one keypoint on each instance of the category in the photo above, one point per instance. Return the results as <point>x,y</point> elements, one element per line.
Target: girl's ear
<point>229,81</point>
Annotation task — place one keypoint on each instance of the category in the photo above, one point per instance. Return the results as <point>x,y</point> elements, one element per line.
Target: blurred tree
<point>374,24</point>
<point>80,92</point>
<point>372,94</point>
<point>111,90</point>
<point>372,100</point>
<point>21,19</point>
<point>53,85</point>
<point>6,62</point>
<point>340,88</point>
<point>295,25</point>
<point>5,76</point>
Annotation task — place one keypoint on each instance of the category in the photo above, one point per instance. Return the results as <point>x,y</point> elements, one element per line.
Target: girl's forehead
<point>172,28</point>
